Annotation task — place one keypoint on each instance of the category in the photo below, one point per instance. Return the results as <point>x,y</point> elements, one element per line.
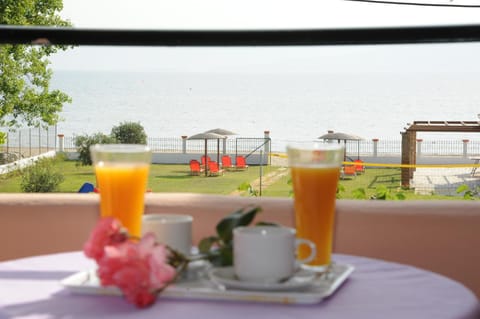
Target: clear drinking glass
<point>122,174</point>
<point>315,170</point>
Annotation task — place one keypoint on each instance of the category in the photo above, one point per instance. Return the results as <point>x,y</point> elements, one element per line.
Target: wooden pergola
<point>409,140</point>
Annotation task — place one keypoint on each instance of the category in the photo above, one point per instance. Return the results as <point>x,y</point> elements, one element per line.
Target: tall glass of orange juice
<point>315,170</point>
<point>122,174</point>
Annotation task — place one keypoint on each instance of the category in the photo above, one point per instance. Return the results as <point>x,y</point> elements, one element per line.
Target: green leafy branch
<point>219,248</point>
<point>468,193</point>
<point>382,192</point>
<point>248,188</point>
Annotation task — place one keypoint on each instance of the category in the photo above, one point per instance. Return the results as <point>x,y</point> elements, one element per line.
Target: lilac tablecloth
<point>29,288</point>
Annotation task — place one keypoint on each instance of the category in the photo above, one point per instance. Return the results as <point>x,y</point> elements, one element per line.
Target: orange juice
<point>122,191</point>
<point>315,192</point>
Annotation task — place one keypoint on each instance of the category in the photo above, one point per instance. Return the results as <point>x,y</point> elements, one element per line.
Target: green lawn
<point>177,178</point>
<point>163,178</point>
<point>369,181</point>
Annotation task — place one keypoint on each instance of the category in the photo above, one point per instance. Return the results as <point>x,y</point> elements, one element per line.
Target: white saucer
<point>225,276</point>
<point>195,269</point>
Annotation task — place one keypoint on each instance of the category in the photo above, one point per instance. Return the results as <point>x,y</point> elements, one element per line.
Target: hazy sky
<point>264,14</point>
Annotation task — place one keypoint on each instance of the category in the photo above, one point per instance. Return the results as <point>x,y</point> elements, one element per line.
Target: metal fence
<point>240,145</point>
<point>424,148</point>
<point>28,142</point>
<point>380,147</point>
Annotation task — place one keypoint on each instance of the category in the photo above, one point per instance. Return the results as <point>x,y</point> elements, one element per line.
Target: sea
<point>291,106</point>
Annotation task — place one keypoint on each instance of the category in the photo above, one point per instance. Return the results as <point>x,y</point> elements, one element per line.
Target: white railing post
<point>465,147</point>
<point>375,147</point>
<point>184,144</point>
<point>266,135</point>
<point>419,147</point>
<point>61,143</point>
<point>224,146</point>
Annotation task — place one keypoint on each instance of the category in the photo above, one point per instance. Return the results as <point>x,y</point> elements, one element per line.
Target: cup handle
<point>313,249</point>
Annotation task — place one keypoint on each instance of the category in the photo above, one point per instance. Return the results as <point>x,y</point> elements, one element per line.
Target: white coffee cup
<point>174,230</point>
<point>267,253</point>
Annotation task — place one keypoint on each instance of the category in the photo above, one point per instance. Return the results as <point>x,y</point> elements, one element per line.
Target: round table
<point>30,288</point>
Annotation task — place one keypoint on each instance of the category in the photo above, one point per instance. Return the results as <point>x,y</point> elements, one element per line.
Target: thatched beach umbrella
<point>339,136</point>
<point>206,136</point>
<point>223,132</point>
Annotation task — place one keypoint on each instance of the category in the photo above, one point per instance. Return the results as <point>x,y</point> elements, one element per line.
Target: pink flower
<point>108,231</point>
<point>161,273</point>
<point>156,255</point>
<point>140,270</point>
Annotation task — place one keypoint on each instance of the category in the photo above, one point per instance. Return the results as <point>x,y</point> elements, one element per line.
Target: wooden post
<point>405,160</point>
<point>408,156</point>
<point>413,151</point>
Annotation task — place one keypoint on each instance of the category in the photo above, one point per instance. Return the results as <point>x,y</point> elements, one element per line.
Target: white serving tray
<point>199,286</point>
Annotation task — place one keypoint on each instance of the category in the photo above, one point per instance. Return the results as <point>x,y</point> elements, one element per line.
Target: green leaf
<point>226,225</point>
<point>238,218</point>
<point>222,252</point>
<point>206,244</point>
<point>245,186</point>
<point>266,224</point>
<point>381,192</point>
<point>359,193</point>
<point>221,257</point>
<point>248,216</point>
<point>400,196</point>
<point>225,257</point>
<point>462,188</point>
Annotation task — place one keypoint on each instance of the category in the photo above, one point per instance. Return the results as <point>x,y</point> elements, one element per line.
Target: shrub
<point>129,133</point>
<point>41,177</point>
<point>248,188</point>
<point>382,192</point>
<point>83,143</point>
<point>468,192</point>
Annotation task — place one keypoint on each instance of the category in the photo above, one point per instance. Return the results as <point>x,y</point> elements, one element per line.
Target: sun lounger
<point>240,163</point>
<point>213,169</point>
<point>195,168</point>
<point>227,162</point>
<point>348,170</point>
<point>359,167</point>
<point>205,160</point>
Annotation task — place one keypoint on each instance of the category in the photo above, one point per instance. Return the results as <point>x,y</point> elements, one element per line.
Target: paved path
<point>443,181</point>
<point>269,178</point>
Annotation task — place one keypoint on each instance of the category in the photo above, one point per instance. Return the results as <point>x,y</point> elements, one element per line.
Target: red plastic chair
<point>213,169</point>
<point>195,168</point>
<point>227,162</point>
<point>348,170</point>
<point>241,163</point>
<point>359,167</point>
<point>204,160</point>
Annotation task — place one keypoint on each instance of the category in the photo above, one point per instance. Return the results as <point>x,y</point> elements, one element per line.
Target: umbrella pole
<point>218,152</point>
<point>206,159</point>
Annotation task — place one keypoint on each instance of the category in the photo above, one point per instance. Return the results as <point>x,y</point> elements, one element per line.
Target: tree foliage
<point>41,177</point>
<point>25,94</point>
<point>129,133</point>
<point>83,143</point>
